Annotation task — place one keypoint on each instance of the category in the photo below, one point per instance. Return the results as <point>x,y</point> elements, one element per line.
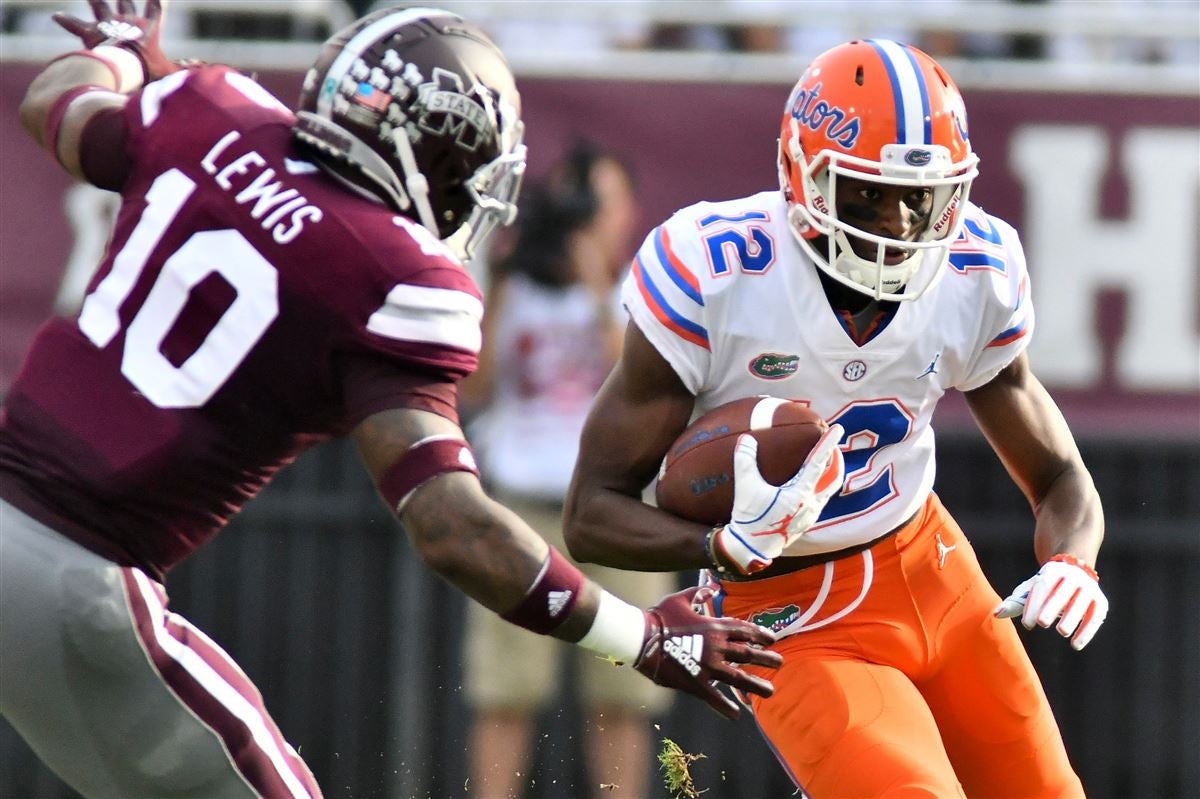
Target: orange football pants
<point>917,691</point>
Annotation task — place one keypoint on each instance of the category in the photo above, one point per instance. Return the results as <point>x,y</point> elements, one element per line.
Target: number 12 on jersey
<point>870,425</point>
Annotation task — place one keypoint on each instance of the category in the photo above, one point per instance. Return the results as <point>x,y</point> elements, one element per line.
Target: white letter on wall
<point>1152,256</point>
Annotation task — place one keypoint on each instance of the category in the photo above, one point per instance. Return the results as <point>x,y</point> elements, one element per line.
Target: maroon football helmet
<point>419,108</point>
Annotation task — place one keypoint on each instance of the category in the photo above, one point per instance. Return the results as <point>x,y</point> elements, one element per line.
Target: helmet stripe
<point>359,43</point>
<point>908,91</point>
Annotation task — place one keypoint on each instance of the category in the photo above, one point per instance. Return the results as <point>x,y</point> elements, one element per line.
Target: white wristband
<point>126,66</point>
<point>618,630</point>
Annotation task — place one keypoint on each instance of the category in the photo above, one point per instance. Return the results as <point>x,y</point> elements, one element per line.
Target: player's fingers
<point>701,597</point>
<point>745,460</point>
<point>718,701</point>
<point>823,471</point>
<point>1073,614</point>
<point>100,10</point>
<point>832,476</point>
<point>73,25</point>
<point>1092,620</point>
<point>828,441</point>
<point>1087,630</point>
<point>746,683</point>
<point>154,10</point>
<point>1009,608</point>
<point>1014,603</point>
<point>1038,590</point>
<point>750,655</point>
<point>1055,604</point>
<point>126,8</point>
<point>747,632</point>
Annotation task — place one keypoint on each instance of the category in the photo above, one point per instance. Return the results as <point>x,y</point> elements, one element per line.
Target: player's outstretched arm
<point>1029,434</point>
<point>120,53</point>
<point>424,470</point>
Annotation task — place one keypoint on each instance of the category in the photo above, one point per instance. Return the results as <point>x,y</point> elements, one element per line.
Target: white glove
<point>1065,588</point>
<point>767,518</point>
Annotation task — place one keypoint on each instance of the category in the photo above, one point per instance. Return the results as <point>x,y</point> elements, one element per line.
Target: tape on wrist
<point>551,598</point>
<point>423,461</point>
<point>127,70</point>
<point>618,631</point>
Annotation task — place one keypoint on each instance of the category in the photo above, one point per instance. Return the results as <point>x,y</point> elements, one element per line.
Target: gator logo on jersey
<point>774,365</point>
<point>776,619</point>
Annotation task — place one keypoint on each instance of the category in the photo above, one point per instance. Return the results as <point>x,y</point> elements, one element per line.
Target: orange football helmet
<point>885,112</point>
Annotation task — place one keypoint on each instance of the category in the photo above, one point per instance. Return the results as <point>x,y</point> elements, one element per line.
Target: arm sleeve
<point>372,383</point>
<point>664,297</point>
<point>103,150</point>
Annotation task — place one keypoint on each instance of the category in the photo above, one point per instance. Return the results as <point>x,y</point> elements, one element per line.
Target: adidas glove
<point>767,518</point>
<point>1064,589</point>
<point>690,652</point>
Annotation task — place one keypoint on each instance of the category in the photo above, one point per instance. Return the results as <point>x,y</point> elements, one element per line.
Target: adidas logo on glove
<point>686,649</point>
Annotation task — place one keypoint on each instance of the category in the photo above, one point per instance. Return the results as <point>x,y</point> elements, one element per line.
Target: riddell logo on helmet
<point>840,127</point>
<point>946,216</point>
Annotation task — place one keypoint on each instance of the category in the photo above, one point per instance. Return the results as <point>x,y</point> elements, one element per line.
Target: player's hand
<point>125,29</point>
<point>1064,589</point>
<point>688,651</point>
<point>767,518</point>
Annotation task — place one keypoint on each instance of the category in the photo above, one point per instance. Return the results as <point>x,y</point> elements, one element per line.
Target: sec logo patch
<point>854,370</point>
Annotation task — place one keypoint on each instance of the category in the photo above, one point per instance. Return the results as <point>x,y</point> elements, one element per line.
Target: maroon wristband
<point>422,462</point>
<point>551,598</point>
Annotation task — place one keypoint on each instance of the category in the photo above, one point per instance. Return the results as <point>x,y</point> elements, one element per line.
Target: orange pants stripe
<point>916,692</point>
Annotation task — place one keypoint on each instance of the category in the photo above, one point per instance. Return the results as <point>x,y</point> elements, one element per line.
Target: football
<point>695,481</point>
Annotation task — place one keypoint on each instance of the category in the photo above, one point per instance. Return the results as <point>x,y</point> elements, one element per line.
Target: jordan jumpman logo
<point>943,551</point>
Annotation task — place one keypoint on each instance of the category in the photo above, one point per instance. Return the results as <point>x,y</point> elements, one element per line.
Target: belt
<point>789,564</point>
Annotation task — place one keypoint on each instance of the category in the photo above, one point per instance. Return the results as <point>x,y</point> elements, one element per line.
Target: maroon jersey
<point>248,306</point>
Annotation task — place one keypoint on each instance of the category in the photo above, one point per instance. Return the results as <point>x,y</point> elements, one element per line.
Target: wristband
<point>551,598</point>
<point>711,552</point>
<point>1063,557</point>
<point>423,461</point>
<point>618,631</point>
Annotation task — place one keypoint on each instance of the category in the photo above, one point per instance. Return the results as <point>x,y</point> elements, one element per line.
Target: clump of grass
<point>675,765</point>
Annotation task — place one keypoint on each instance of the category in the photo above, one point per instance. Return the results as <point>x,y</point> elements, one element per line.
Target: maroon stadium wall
<point>1105,190</point>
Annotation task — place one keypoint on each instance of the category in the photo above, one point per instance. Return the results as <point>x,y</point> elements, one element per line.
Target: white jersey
<point>730,300</point>
<point>550,347</point>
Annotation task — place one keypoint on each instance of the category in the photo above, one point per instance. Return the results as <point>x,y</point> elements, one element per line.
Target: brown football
<point>696,478</point>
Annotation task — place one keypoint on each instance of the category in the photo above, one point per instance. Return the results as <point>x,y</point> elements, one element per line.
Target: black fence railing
<point>355,644</point>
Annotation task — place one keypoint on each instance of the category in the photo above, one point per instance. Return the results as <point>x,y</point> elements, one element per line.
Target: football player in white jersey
<point>867,287</point>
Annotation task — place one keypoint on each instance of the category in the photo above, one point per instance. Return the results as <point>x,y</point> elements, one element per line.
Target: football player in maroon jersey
<point>273,280</point>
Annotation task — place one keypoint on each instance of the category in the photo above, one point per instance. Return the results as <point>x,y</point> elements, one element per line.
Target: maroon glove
<point>125,29</point>
<point>690,652</point>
